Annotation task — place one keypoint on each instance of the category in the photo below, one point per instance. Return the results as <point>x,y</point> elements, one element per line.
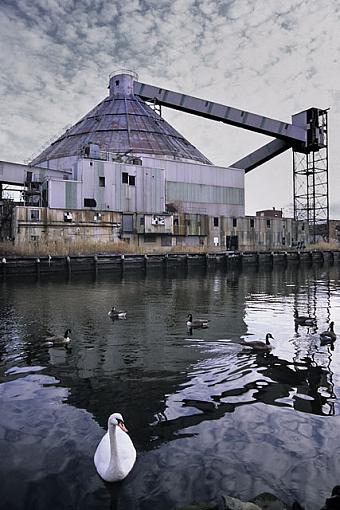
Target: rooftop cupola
<point>121,82</point>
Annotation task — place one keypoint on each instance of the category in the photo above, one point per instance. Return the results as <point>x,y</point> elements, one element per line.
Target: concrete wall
<point>45,224</point>
<point>254,232</point>
<point>250,233</point>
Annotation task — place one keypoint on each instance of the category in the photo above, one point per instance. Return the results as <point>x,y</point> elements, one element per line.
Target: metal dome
<point>122,123</point>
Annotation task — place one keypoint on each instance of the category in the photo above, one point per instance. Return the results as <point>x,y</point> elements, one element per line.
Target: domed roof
<point>122,123</point>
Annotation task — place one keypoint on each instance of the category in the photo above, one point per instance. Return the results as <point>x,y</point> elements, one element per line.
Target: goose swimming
<point>197,323</point>
<point>116,314</point>
<point>115,454</point>
<point>328,335</point>
<point>260,345</point>
<point>58,339</point>
<point>303,320</point>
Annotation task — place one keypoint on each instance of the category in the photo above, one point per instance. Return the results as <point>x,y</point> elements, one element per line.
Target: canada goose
<point>303,320</point>
<point>260,345</point>
<point>116,314</point>
<point>328,335</point>
<point>58,339</point>
<point>115,454</point>
<point>198,323</point>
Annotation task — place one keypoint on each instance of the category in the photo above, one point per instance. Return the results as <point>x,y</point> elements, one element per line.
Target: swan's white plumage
<point>115,455</point>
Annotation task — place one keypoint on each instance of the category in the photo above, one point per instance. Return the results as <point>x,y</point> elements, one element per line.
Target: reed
<point>322,245</point>
<point>64,248</point>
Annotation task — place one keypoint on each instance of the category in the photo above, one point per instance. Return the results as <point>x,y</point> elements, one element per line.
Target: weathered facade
<point>123,173</point>
<point>154,231</point>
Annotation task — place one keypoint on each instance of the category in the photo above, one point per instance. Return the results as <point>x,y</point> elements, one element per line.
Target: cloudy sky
<point>270,57</point>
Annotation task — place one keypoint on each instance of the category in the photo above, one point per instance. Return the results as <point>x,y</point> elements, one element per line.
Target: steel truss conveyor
<point>306,135</point>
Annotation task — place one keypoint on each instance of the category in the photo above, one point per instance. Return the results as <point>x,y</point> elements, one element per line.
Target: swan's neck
<point>114,458</point>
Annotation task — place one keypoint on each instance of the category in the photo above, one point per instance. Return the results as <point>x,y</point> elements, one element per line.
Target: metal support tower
<point>310,183</point>
<point>306,135</point>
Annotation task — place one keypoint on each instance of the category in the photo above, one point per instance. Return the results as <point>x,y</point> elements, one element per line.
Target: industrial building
<point>123,173</point>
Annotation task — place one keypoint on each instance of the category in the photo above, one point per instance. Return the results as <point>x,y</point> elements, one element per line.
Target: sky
<point>270,57</point>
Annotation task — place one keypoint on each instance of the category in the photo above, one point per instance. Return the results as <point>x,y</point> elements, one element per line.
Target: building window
<point>252,223</point>
<point>283,241</point>
<point>302,227</point>
<point>132,180</point>
<point>90,202</point>
<point>35,214</point>
<point>125,178</point>
<point>166,241</point>
<point>268,223</point>
<point>102,182</point>
<point>142,220</point>
<point>215,222</point>
<point>117,83</point>
<point>149,238</point>
<point>175,222</point>
<point>234,222</point>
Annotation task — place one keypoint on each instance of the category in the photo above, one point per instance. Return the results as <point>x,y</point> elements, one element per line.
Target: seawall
<point>118,262</point>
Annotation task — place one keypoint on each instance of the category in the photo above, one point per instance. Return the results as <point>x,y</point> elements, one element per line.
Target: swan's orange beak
<point>122,426</point>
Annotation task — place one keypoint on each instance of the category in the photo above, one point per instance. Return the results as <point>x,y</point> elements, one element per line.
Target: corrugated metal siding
<point>181,191</point>
<point>71,195</point>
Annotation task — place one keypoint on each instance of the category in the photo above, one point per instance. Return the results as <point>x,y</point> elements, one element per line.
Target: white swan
<point>115,455</point>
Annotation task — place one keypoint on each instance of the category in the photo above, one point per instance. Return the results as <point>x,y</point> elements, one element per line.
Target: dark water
<point>206,416</point>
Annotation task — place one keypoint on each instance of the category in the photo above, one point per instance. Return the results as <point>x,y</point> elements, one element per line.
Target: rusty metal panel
<point>122,124</point>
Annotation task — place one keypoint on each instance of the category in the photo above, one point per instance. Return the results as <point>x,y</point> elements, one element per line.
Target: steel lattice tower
<point>310,180</point>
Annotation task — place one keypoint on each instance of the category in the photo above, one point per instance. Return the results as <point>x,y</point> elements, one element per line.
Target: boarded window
<point>102,182</point>
<point>125,178</point>
<point>35,214</point>
<point>166,241</point>
<point>90,202</point>
<point>149,238</point>
<point>127,223</point>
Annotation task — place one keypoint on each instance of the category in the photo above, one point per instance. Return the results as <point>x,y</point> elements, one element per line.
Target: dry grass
<point>64,248</point>
<point>81,247</point>
<point>92,247</point>
<point>322,245</point>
